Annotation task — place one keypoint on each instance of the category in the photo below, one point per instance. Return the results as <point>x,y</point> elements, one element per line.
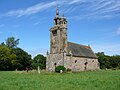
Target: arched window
<point>55,64</point>
<point>75,61</point>
<point>86,63</point>
<point>54,33</point>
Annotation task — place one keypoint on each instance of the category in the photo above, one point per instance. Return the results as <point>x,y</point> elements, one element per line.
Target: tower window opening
<point>56,21</point>
<point>54,33</point>
<point>60,22</point>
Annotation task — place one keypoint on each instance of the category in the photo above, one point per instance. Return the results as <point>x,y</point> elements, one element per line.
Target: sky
<point>90,22</point>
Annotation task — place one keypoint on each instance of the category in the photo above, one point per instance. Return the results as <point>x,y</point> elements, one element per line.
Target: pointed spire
<point>57,11</point>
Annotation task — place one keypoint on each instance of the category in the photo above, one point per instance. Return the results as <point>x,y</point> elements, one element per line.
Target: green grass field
<point>96,80</point>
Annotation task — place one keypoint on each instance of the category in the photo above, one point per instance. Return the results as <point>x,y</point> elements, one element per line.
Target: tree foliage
<point>7,58</point>
<point>11,57</point>
<point>108,61</point>
<point>40,61</point>
<point>23,58</point>
<point>12,42</point>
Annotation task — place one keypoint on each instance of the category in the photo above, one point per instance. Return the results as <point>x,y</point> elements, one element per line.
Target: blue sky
<point>90,22</point>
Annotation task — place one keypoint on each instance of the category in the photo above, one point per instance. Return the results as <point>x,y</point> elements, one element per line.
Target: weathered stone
<point>60,53</point>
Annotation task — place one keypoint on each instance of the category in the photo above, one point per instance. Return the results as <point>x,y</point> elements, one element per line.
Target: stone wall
<point>81,64</point>
<point>73,63</point>
<point>54,60</point>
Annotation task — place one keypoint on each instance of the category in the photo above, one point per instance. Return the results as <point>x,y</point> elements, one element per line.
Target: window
<point>55,64</point>
<point>61,22</point>
<point>86,63</point>
<point>75,61</point>
<point>54,33</point>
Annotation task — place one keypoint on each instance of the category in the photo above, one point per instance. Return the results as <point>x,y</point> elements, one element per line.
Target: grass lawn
<point>95,80</point>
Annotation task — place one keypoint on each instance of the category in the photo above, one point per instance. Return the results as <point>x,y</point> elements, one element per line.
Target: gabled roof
<point>80,50</point>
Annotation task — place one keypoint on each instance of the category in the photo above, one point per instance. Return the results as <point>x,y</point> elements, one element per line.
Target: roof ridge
<point>81,45</point>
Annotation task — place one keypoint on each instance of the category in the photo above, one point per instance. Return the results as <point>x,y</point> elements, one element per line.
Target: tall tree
<point>40,61</point>
<point>6,58</point>
<point>108,61</point>
<point>115,61</point>
<point>12,57</point>
<point>23,59</point>
<point>12,42</point>
<point>103,60</point>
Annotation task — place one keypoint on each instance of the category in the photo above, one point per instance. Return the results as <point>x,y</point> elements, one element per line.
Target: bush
<point>58,68</point>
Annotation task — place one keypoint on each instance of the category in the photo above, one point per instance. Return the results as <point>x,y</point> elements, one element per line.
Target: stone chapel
<point>75,57</point>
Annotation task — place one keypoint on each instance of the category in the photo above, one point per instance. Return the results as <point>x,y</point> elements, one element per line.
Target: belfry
<point>58,34</point>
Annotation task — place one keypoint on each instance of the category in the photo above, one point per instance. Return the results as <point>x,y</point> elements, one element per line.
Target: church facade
<point>75,57</point>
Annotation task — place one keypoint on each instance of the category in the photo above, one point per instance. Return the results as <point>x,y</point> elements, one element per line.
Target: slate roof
<point>80,50</point>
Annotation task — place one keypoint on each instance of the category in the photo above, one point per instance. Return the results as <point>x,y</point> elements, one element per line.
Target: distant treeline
<point>13,57</point>
<point>109,62</point>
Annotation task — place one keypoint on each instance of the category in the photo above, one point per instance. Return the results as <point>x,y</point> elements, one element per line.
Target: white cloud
<point>98,9</point>
<point>36,23</point>
<point>76,1</point>
<point>86,9</point>
<point>39,20</point>
<point>107,7</point>
<point>118,31</point>
<point>31,10</point>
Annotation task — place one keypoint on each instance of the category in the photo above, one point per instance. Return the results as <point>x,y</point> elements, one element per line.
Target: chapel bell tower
<point>58,34</point>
